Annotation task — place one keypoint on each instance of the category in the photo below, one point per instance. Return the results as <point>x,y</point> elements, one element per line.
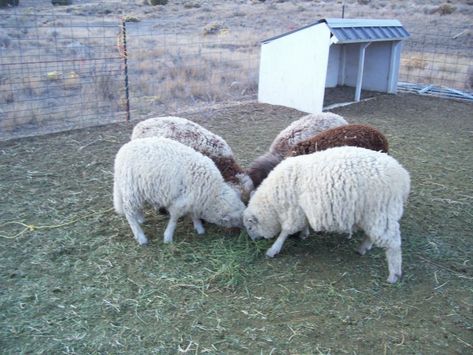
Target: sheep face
<point>256,226</point>
<point>226,209</point>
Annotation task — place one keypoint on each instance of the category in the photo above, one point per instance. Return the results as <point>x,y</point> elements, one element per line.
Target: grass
<point>74,280</point>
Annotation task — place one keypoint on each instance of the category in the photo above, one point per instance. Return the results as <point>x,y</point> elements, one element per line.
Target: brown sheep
<point>356,135</point>
<point>296,132</point>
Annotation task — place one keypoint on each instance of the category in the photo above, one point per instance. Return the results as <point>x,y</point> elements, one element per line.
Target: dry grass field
<point>72,278</point>
<point>63,67</point>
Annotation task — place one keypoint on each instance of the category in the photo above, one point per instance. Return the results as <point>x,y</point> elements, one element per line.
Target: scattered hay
<point>74,279</point>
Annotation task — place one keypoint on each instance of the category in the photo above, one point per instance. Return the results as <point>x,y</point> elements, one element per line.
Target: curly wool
<point>168,174</point>
<point>304,128</point>
<point>355,135</point>
<point>335,190</point>
<point>295,133</point>
<point>202,140</point>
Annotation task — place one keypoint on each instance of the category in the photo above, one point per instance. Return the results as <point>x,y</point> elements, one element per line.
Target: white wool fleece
<point>168,174</point>
<point>335,190</point>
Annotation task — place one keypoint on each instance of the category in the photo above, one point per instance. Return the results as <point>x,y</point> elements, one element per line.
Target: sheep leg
<point>140,217</point>
<point>391,242</point>
<point>199,228</point>
<point>366,245</point>
<point>304,233</point>
<point>134,222</point>
<point>171,227</point>
<point>394,258</point>
<point>277,245</point>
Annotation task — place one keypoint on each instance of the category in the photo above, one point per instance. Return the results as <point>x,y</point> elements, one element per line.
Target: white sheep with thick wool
<point>202,140</point>
<point>167,174</point>
<point>336,190</point>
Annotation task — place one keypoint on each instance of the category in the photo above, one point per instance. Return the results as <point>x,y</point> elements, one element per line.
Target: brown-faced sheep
<point>355,135</point>
<point>296,132</point>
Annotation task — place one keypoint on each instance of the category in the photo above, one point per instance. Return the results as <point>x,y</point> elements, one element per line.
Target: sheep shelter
<point>296,67</point>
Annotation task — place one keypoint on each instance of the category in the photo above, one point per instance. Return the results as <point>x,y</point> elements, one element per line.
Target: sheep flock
<point>320,173</point>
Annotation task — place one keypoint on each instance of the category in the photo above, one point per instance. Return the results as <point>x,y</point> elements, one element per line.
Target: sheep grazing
<point>202,140</point>
<point>336,190</point>
<point>355,135</point>
<point>296,132</point>
<point>168,174</point>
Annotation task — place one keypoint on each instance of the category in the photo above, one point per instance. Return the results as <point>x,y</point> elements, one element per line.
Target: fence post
<point>125,70</point>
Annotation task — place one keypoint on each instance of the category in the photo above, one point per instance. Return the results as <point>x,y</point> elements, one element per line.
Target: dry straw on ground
<point>74,280</point>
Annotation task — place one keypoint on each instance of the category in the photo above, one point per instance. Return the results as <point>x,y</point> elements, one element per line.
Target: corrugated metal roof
<point>365,30</point>
<point>358,30</point>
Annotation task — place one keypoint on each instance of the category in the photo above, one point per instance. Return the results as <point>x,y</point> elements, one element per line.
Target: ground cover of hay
<point>72,279</point>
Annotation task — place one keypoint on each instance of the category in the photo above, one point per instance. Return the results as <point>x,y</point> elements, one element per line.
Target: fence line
<point>68,72</point>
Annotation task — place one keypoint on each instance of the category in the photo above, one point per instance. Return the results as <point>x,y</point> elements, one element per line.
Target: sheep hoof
<point>143,241</point>
<point>393,278</point>
<point>304,234</point>
<point>271,253</point>
<point>200,230</point>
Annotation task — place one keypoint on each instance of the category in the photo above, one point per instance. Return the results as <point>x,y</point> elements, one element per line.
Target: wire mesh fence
<point>178,72</point>
<point>442,58</point>
<point>67,72</point>
<point>58,73</point>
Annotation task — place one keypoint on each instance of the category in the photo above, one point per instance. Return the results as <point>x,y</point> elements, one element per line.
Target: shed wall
<point>334,66</point>
<point>293,69</point>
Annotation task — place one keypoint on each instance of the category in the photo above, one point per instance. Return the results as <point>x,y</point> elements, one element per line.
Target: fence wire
<point>177,72</point>
<point>67,72</point>
<point>442,58</point>
<point>58,73</point>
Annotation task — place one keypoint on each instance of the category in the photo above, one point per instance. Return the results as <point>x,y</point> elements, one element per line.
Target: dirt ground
<point>73,280</point>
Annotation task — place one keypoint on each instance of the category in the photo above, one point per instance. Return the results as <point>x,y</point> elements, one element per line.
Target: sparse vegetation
<point>446,9</point>
<point>191,5</point>
<point>61,2</point>
<point>157,2</point>
<point>129,18</point>
<point>213,28</point>
<point>9,3</point>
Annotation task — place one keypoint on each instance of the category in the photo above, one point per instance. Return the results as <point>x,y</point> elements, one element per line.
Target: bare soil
<point>74,280</point>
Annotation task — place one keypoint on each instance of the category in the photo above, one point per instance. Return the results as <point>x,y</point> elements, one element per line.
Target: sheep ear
<point>253,220</point>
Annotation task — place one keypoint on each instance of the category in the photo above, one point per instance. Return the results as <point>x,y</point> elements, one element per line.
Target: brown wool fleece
<point>355,135</point>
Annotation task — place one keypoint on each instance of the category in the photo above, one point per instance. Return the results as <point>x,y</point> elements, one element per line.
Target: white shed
<point>296,67</point>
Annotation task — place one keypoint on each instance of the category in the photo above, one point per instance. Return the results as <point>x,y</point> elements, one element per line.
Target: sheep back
<point>304,128</point>
<point>202,140</point>
<point>336,188</point>
<point>186,132</point>
<point>356,135</point>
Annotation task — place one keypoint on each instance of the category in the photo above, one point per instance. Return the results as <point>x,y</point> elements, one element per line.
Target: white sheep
<point>336,190</point>
<point>167,174</point>
<point>298,131</point>
<point>304,128</point>
<point>202,140</point>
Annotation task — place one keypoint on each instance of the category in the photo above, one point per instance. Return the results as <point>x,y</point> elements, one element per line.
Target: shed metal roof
<point>358,30</point>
